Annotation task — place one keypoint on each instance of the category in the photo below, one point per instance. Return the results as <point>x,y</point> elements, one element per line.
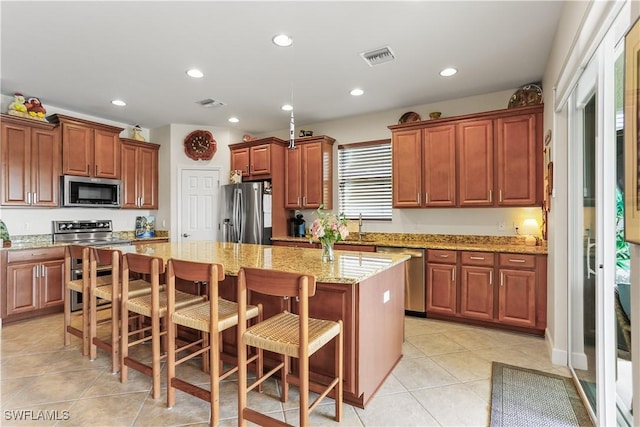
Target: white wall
<point>22,221</point>
<point>172,160</point>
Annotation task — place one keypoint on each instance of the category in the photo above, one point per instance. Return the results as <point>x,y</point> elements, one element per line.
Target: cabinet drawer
<point>42,254</point>
<point>517,260</point>
<point>442,256</point>
<point>477,258</point>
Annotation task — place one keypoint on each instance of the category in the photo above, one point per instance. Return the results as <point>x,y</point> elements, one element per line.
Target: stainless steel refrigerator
<point>245,213</point>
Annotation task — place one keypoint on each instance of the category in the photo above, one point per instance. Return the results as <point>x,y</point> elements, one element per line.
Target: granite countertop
<point>507,244</point>
<point>348,267</point>
<point>39,241</point>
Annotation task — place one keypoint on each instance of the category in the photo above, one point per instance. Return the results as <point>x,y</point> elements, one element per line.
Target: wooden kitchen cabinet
<point>493,159</point>
<point>309,173</point>
<point>424,168</point>
<point>34,282</point>
<point>406,175</point>
<point>517,295</point>
<point>89,148</point>
<point>504,290</point>
<point>475,163</point>
<point>439,166</point>
<point>476,285</point>
<point>30,158</point>
<point>516,160</point>
<point>253,158</point>
<point>442,289</point>
<point>139,174</point>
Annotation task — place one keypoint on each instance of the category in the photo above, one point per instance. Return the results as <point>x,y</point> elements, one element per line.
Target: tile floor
<point>442,380</point>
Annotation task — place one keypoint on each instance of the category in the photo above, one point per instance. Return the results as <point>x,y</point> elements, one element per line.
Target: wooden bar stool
<point>153,306</point>
<point>210,318</point>
<point>77,256</point>
<point>111,259</point>
<point>292,335</point>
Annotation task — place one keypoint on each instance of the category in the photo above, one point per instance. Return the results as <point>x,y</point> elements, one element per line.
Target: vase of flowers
<point>328,229</point>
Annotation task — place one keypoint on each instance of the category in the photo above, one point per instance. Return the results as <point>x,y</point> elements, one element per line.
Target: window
<point>364,179</point>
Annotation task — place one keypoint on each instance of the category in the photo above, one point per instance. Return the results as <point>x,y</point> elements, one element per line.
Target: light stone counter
<point>348,267</point>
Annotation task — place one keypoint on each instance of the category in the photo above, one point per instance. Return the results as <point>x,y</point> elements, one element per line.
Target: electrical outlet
<point>26,226</point>
<point>385,297</point>
<point>501,226</point>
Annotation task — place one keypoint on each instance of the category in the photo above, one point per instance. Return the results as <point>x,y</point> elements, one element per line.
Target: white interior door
<point>199,204</point>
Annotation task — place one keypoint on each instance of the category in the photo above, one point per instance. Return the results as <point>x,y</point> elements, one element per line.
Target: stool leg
<point>124,344</point>
<point>242,381</point>
<point>283,379</point>
<point>155,355</point>
<point>171,363</point>
<point>339,373</point>
<point>214,378</point>
<point>115,334</point>
<point>304,390</point>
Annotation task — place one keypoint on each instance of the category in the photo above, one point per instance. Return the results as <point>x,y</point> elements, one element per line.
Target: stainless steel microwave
<point>79,191</point>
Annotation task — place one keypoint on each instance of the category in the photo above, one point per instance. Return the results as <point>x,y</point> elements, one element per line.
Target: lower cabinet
<point>441,279</point>
<point>476,285</point>
<point>34,282</point>
<point>493,289</point>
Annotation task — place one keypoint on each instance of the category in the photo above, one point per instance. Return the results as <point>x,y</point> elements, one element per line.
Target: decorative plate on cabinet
<point>530,94</point>
<point>409,117</point>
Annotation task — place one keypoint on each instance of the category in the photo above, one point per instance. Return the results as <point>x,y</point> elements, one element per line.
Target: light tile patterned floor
<point>442,380</point>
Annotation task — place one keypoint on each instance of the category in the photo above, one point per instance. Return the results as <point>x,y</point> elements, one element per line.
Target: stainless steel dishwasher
<point>415,302</point>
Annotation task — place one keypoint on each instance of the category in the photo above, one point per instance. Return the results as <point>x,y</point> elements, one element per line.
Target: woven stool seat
<point>142,304</point>
<point>137,288</point>
<point>76,285</point>
<point>197,316</point>
<point>280,334</point>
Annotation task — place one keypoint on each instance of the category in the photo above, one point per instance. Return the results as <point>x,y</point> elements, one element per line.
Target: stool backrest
<point>76,252</point>
<point>279,283</point>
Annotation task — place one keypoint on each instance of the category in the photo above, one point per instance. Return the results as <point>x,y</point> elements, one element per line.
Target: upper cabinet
<point>256,158</point>
<point>309,173</point>
<point>489,159</point>
<point>30,160</point>
<point>139,174</point>
<point>88,148</point>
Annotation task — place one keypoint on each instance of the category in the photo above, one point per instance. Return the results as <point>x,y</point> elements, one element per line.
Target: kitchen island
<point>364,290</point>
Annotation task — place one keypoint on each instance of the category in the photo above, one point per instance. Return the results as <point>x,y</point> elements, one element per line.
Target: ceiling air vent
<point>378,56</point>
<point>210,103</point>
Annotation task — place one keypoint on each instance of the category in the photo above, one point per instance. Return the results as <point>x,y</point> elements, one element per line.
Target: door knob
<point>186,235</point>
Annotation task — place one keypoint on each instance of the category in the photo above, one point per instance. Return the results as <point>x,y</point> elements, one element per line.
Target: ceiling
<point>81,55</point>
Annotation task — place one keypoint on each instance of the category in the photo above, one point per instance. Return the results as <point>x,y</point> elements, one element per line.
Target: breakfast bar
<point>364,290</point>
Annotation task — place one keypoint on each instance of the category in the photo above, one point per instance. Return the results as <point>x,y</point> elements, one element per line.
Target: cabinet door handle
<point>298,202</point>
<point>490,277</point>
<point>96,169</point>
<point>453,275</point>
<point>37,272</point>
<point>141,201</point>
<point>42,266</point>
<point>501,279</point>
<point>28,198</point>
<point>304,200</point>
<point>419,197</point>
<point>490,196</point>
<point>35,198</point>
<point>444,256</point>
<point>515,260</point>
<point>426,198</point>
<point>480,258</point>
<point>500,194</point>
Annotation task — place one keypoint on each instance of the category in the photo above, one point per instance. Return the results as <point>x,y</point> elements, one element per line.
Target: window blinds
<point>364,180</point>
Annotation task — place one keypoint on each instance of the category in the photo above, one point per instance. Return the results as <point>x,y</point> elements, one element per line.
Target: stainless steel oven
<point>85,232</point>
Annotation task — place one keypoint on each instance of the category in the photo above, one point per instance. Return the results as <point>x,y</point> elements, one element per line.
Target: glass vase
<point>327,252</point>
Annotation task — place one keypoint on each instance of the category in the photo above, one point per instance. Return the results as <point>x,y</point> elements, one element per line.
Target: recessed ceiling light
<point>287,107</point>
<point>195,73</point>
<point>448,72</point>
<point>119,102</point>
<point>356,92</point>
<point>282,40</point>
<point>234,119</point>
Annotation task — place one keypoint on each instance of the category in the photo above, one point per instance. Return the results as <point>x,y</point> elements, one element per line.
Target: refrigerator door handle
<point>238,208</point>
